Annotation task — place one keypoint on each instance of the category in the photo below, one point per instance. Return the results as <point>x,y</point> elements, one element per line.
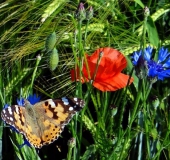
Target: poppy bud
<point>53,59</point>
<point>50,41</point>
<point>90,13</point>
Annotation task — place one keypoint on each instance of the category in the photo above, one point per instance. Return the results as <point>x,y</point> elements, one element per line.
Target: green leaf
<point>89,152</point>
<point>158,145</point>
<point>152,32</point>
<point>154,133</point>
<point>140,3</point>
<point>129,68</point>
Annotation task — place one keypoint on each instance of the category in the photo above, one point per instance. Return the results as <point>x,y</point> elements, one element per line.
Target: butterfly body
<point>43,122</point>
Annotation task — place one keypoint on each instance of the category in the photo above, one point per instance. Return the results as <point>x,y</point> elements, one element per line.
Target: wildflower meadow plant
<point>101,71</point>
<point>149,69</point>
<point>124,93</point>
<point>103,68</point>
<point>153,69</point>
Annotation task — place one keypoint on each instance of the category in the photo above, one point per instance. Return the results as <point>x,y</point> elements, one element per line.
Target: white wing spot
<point>11,119</point>
<point>52,103</point>
<point>10,110</point>
<point>70,108</point>
<point>75,99</point>
<point>65,101</point>
<point>16,108</point>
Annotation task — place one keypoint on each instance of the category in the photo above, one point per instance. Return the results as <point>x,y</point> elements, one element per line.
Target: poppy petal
<point>112,84</point>
<point>116,58</point>
<point>108,74</point>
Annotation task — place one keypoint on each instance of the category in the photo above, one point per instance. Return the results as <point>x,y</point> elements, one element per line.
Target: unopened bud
<point>81,13</point>
<point>114,109</point>
<point>71,142</point>
<point>90,13</point>
<point>146,11</point>
<point>155,102</point>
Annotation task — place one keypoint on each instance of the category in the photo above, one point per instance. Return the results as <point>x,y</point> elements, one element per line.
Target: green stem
<point>78,138</point>
<point>85,35</point>
<point>163,143</point>
<point>105,104</point>
<point>134,112</point>
<point>35,70</point>
<point>147,133</point>
<point>145,96</point>
<point>69,153</point>
<point>127,131</point>
<point>80,57</point>
<point>122,96</point>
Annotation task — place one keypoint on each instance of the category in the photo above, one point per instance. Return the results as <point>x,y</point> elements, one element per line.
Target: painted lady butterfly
<point>42,123</point>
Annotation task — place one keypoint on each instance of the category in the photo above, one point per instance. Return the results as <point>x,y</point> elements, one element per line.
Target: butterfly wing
<point>42,123</point>
<point>15,116</point>
<point>60,111</point>
<point>19,118</point>
<point>52,116</point>
<point>55,115</point>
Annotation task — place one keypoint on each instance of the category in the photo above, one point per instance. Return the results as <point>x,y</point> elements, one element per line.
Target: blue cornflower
<point>154,69</point>
<point>33,99</point>
<point>163,54</point>
<point>6,106</point>
<point>147,53</point>
<point>20,101</point>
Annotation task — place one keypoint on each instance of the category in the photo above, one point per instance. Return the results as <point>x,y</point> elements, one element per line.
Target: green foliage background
<point>24,27</point>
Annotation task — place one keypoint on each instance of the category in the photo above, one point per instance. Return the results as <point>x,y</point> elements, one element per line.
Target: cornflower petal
<point>163,74</point>
<point>6,106</point>
<point>20,101</point>
<point>33,99</point>
<point>162,54</point>
<point>156,70</point>
<point>148,53</point>
<point>167,63</point>
<point>136,56</point>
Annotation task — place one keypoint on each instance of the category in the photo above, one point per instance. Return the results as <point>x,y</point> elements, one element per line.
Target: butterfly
<point>43,122</point>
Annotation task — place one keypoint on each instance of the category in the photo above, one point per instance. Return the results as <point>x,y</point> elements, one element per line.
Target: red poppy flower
<point>108,76</point>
